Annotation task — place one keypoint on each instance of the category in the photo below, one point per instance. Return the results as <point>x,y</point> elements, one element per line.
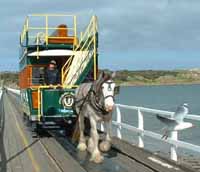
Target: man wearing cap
<point>52,74</point>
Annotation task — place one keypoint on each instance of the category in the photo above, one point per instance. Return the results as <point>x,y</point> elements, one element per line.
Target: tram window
<point>38,75</point>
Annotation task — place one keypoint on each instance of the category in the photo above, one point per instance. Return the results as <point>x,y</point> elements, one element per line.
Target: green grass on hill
<point>126,77</point>
<point>157,77</point>
<point>9,79</point>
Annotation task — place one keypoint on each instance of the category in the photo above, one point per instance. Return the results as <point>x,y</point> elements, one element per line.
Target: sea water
<point>162,98</point>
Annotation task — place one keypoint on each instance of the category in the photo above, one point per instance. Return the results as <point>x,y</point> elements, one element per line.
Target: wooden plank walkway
<point>20,152</point>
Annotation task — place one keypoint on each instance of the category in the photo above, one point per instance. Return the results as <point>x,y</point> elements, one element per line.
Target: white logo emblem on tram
<point>67,100</point>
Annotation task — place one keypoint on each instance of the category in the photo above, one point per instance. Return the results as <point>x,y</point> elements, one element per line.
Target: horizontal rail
<point>51,15</point>
<point>155,111</point>
<point>50,28</point>
<point>178,143</point>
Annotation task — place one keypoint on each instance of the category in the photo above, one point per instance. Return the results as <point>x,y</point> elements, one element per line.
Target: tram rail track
<point>121,157</point>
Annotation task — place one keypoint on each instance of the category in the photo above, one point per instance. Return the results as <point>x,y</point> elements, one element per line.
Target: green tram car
<point>47,37</point>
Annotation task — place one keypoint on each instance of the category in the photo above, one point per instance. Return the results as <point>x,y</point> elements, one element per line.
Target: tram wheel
<point>34,129</point>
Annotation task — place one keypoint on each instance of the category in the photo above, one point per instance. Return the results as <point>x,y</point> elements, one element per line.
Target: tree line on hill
<point>126,77</point>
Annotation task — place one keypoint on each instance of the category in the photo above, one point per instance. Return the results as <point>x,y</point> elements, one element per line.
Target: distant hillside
<point>125,77</point>
<point>9,79</point>
<point>158,77</point>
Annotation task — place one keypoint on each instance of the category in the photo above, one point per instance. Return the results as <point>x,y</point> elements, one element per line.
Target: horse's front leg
<point>106,145</point>
<point>108,126</point>
<point>82,143</point>
<point>96,154</point>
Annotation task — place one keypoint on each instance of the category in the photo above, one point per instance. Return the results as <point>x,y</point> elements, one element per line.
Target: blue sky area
<point>134,34</point>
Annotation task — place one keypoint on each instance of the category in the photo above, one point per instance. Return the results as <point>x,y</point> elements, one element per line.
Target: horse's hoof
<point>90,147</point>
<point>82,146</point>
<point>97,159</point>
<point>105,146</point>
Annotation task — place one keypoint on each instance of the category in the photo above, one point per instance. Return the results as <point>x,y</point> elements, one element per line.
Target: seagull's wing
<point>180,113</point>
<point>167,121</point>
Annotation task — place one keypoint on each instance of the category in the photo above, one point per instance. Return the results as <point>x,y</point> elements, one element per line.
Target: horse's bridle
<point>95,102</point>
<point>109,87</point>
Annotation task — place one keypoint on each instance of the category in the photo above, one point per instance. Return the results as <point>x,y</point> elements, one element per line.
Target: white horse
<point>96,102</point>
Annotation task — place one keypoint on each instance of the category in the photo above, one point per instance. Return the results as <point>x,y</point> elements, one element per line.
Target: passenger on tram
<point>52,76</point>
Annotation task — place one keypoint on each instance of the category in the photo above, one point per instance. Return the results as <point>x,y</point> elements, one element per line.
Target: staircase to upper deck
<point>84,57</point>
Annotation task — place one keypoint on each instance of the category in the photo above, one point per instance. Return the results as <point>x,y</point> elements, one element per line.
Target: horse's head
<point>107,90</point>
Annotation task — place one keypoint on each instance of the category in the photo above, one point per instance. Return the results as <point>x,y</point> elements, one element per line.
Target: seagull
<point>175,123</point>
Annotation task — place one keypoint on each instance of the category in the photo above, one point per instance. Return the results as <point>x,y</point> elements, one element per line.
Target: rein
<point>95,104</point>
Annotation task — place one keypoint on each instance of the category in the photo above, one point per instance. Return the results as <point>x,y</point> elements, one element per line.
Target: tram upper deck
<point>46,30</point>
<point>47,37</point>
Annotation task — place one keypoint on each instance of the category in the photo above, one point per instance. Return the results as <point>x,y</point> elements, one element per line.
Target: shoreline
<point>157,84</point>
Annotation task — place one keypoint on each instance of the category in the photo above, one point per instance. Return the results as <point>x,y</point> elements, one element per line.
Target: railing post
<point>102,127</point>
<point>46,29</point>
<point>26,30</point>
<point>75,32</point>
<point>75,27</point>
<point>173,148</point>
<point>141,127</point>
<point>94,21</point>
<point>81,36</point>
<point>119,120</point>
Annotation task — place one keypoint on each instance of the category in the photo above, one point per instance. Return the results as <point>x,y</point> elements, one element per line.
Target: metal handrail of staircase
<point>90,33</point>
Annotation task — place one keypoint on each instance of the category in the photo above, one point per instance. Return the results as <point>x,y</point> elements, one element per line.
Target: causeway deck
<point>21,152</point>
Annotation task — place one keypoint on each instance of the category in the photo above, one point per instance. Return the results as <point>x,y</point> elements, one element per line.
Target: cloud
<point>124,26</point>
<point>155,25</point>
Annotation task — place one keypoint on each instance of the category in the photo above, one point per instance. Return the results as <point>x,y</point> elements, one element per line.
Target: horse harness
<point>92,99</point>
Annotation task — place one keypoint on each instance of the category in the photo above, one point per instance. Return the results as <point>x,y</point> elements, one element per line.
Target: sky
<point>133,34</point>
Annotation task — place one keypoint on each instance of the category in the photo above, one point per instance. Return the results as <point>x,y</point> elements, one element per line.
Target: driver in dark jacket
<point>52,74</point>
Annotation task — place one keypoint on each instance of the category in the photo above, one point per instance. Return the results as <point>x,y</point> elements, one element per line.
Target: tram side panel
<point>54,104</point>
<point>25,102</point>
<point>29,104</point>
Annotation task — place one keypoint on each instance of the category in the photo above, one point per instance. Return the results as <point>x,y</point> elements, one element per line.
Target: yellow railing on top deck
<point>24,31</point>
<point>46,28</point>
<point>87,38</point>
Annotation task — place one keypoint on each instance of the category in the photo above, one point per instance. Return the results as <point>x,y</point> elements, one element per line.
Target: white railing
<point>1,93</point>
<point>13,90</point>
<point>172,140</point>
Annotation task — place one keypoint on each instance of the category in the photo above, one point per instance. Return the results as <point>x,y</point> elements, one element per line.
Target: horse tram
<point>54,60</point>
<point>60,87</point>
